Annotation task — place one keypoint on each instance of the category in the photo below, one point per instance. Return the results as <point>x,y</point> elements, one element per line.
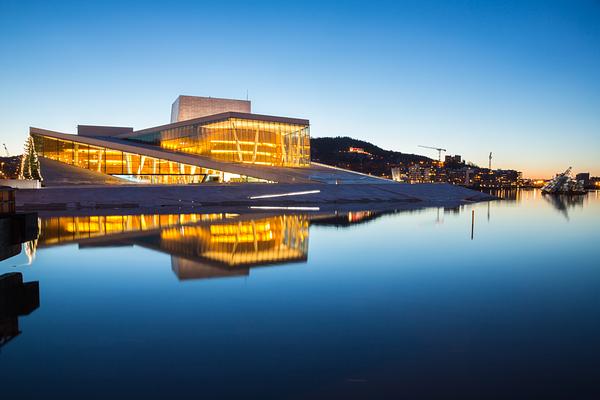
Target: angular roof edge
<point>217,117</point>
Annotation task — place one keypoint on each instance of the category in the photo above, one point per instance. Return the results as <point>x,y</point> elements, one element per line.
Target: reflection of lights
<point>267,196</point>
<point>214,237</point>
<point>358,215</point>
<point>278,238</point>
<point>79,227</point>
<point>239,228</point>
<point>285,208</point>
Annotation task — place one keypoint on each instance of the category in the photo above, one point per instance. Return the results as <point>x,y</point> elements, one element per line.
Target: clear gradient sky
<point>519,78</point>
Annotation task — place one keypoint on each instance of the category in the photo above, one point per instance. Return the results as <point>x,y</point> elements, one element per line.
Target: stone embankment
<point>158,196</point>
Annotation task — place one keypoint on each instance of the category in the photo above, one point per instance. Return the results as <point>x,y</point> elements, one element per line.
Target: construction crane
<point>439,150</point>
<point>6,150</point>
<point>490,161</point>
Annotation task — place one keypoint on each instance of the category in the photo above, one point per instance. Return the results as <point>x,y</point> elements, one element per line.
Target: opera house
<point>208,140</point>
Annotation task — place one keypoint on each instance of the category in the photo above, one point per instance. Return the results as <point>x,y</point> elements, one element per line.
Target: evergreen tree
<point>30,163</point>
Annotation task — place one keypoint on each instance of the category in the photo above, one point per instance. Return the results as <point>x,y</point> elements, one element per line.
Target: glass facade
<point>239,140</point>
<point>130,166</point>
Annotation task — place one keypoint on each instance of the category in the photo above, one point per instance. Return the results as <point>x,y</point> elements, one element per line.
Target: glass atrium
<point>239,140</point>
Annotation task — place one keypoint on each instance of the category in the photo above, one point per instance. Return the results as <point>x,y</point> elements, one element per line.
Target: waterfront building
<point>584,178</point>
<point>418,173</point>
<point>456,159</point>
<point>358,150</point>
<point>459,176</point>
<point>196,147</point>
<point>498,178</point>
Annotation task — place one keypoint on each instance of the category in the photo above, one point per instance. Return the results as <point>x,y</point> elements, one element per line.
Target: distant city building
<point>358,150</point>
<point>464,176</point>
<point>584,177</point>
<point>418,173</point>
<point>456,159</point>
<point>499,178</point>
<point>461,176</point>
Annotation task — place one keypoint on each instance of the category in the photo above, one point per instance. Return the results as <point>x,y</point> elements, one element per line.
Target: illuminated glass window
<point>129,166</point>
<point>239,140</point>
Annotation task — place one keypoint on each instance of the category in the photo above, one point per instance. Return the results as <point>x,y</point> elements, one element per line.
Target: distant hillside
<point>334,151</point>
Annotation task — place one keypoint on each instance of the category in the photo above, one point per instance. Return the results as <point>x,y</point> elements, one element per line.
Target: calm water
<point>314,305</point>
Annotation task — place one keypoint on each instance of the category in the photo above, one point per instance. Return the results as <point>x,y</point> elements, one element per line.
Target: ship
<point>563,184</point>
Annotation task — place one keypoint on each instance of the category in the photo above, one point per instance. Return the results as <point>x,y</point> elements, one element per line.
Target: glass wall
<point>240,140</point>
<point>129,166</point>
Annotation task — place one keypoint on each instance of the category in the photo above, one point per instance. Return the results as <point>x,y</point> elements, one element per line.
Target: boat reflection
<point>563,202</point>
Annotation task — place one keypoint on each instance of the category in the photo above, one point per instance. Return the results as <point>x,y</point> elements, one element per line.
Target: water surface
<point>313,304</point>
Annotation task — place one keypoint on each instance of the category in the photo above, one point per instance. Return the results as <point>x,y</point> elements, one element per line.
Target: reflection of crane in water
<point>431,219</point>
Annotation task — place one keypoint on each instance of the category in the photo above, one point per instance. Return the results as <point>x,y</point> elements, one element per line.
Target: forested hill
<point>334,151</point>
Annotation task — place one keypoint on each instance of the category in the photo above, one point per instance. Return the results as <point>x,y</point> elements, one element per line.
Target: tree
<point>30,163</point>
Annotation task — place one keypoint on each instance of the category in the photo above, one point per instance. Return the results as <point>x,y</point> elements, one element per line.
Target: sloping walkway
<point>157,196</point>
<point>56,173</point>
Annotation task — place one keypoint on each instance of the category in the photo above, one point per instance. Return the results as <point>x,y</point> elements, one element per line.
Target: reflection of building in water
<point>453,210</point>
<point>189,269</point>
<point>346,219</point>
<point>202,245</point>
<point>60,230</point>
<point>269,240</point>
<point>16,299</point>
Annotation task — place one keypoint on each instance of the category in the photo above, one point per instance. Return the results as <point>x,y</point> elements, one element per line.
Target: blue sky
<point>518,78</point>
